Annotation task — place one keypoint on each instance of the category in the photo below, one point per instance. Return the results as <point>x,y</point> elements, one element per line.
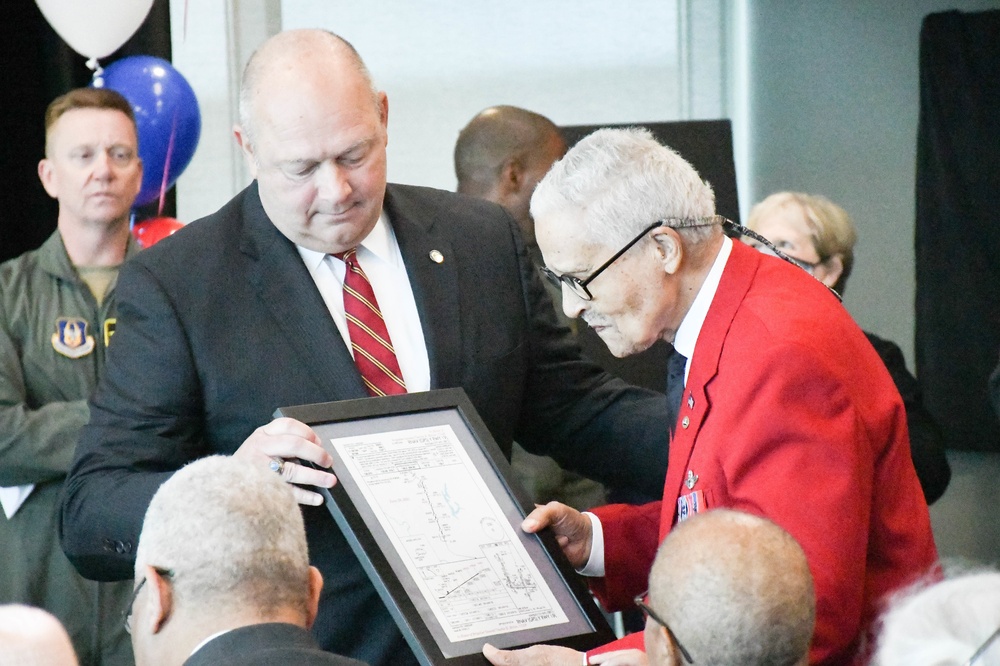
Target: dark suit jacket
<point>266,645</point>
<point>926,439</point>
<point>221,324</point>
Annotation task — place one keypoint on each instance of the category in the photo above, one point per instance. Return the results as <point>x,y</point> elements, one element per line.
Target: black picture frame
<point>389,556</point>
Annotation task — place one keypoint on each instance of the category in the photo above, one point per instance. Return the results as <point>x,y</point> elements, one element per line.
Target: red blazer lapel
<point>695,406</point>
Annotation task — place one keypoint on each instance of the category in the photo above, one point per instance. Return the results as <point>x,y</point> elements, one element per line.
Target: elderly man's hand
<point>536,655</point>
<point>572,529</point>
<point>279,444</point>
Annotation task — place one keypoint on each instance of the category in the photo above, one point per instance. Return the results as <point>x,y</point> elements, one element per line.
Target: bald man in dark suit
<point>243,312</point>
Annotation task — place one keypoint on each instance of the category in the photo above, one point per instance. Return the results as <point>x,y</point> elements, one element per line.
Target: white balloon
<point>95,28</point>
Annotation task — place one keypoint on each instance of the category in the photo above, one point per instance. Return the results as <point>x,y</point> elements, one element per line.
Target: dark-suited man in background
<point>248,310</point>
<point>222,572</point>
<point>500,156</point>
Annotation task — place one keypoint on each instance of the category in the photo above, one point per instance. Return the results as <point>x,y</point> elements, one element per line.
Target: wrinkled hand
<point>621,658</point>
<point>287,440</point>
<point>572,529</point>
<point>536,655</point>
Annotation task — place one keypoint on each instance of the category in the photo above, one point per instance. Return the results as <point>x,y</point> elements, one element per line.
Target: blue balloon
<point>166,116</point>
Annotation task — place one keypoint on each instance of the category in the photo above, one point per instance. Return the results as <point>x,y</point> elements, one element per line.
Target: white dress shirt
<point>684,343</point>
<point>380,259</point>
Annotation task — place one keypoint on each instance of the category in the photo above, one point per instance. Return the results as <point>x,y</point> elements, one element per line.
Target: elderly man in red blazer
<point>784,408</point>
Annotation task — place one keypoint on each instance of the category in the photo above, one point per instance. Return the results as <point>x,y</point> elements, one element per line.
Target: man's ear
<point>383,109</point>
<point>159,600</point>
<point>243,141</point>
<point>669,248</point>
<point>315,587</point>
<point>511,176</point>
<point>46,174</point>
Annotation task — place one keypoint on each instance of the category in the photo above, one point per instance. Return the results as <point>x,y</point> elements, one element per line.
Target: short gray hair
<point>624,180</point>
<point>735,589</point>
<point>231,534</point>
<point>294,45</point>
<point>942,622</point>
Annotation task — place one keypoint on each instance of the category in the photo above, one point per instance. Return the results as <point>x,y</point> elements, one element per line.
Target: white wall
<point>576,61</point>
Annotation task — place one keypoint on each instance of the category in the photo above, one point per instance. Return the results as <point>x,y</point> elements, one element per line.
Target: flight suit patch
<point>71,338</point>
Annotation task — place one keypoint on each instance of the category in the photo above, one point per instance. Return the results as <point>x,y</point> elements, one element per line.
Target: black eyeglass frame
<point>639,601</point>
<point>127,615</point>
<point>579,287</point>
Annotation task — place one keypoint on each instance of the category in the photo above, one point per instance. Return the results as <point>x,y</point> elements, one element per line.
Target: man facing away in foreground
<point>274,301</point>
<point>786,411</point>
<point>222,572</point>
<point>731,588</point>
<point>30,635</point>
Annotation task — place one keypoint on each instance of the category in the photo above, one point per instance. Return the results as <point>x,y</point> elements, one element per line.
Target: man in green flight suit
<point>57,314</point>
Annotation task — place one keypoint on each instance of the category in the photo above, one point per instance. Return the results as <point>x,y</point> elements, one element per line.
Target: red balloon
<point>150,232</point>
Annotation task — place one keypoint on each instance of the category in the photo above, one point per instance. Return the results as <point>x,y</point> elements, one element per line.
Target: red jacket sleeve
<point>631,536</point>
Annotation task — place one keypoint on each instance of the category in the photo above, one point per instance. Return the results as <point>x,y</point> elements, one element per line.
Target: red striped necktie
<point>373,352</point>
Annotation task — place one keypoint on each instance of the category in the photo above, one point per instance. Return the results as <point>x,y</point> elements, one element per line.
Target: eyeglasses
<point>579,287</point>
<point>807,266</point>
<point>127,620</point>
<point>983,648</point>
<point>656,618</point>
<point>767,247</point>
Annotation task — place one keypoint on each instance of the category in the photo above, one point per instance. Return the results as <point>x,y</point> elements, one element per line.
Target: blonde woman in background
<point>820,236</point>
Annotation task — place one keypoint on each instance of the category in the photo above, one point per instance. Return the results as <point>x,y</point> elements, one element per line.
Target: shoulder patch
<point>71,338</point>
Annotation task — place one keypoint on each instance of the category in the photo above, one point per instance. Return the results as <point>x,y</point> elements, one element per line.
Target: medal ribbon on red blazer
<point>373,352</point>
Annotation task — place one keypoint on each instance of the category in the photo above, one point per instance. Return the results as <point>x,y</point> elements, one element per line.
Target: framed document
<point>426,500</point>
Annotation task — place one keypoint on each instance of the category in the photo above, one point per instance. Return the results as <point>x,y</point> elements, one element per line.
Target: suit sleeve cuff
<point>595,564</point>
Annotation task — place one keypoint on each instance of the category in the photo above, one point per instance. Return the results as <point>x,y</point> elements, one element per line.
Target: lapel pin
<point>436,256</point>
<point>691,479</point>
<point>690,401</point>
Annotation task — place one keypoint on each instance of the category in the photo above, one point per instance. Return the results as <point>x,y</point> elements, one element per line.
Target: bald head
<point>33,636</point>
<point>286,56</point>
<point>313,134</point>
<point>502,154</point>
<point>734,589</point>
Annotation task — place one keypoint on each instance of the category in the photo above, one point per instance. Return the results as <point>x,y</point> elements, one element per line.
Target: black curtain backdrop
<point>957,233</point>
<point>38,66</point>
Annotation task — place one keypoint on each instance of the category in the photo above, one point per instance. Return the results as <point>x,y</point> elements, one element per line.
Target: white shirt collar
<point>690,328</point>
<point>380,241</point>
<point>207,640</point>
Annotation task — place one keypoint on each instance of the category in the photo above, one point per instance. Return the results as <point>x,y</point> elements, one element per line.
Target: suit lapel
<point>695,404</point>
<point>431,265</point>
<point>288,293</point>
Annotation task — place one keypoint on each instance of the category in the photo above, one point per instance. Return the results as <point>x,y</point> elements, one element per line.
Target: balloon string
<point>185,33</point>
<point>166,165</point>
<point>96,68</point>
